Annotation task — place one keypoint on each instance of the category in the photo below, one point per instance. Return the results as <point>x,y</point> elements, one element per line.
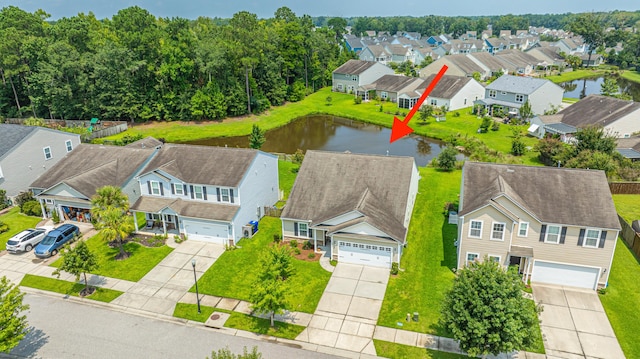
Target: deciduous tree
<point>446,160</point>
<point>270,289</point>
<point>256,137</point>
<point>78,260</point>
<point>13,324</point>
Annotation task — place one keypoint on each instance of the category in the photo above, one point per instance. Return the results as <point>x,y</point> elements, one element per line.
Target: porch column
<point>398,255</point>
<point>315,241</point>
<point>44,213</point>
<point>164,225</point>
<point>135,221</point>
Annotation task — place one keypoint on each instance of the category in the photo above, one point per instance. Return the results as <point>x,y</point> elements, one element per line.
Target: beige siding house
<point>357,206</point>
<point>556,225</point>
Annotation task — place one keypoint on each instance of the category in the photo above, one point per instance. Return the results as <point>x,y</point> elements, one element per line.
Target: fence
<point>630,236</point>
<point>624,187</point>
<point>109,131</point>
<point>272,211</point>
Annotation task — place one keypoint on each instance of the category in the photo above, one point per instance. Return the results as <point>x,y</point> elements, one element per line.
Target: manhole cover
<point>215,317</point>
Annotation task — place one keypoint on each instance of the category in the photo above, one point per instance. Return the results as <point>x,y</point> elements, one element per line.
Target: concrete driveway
<point>348,309</point>
<point>574,324</point>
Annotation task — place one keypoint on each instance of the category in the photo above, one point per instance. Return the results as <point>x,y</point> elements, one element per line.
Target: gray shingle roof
<point>147,142</point>
<point>494,63</point>
<point>354,67</point>
<point>597,110</point>
<point>193,209</point>
<point>447,87</point>
<point>562,128</point>
<point>464,63</point>
<point>330,184</point>
<point>11,135</point>
<point>517,84</point>
<point>554,195</point>
<point>395,83</point>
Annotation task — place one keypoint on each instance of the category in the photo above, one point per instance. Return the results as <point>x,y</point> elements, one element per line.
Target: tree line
<point>137,67</point>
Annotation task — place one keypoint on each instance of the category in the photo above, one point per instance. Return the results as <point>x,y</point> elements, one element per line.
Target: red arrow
<point>401,128</point>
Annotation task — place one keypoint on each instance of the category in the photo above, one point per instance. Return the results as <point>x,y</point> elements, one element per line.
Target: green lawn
<point>631,75</point>
<point>394,350</point>
<point>628,206</point>
<point>234,273</point>
<point>142,259</point>
<point>69,288</point>
<point>576,74</point>
<point>239,321</point>
<point>17,222</point>
<point>286,176</point>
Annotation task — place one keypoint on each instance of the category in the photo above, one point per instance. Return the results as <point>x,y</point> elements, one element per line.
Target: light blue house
<point>207,193</point>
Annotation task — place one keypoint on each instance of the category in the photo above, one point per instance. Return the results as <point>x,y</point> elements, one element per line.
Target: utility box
<point>416,316</point>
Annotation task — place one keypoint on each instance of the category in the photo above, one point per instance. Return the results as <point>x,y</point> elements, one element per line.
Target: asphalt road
<point>64,329</point>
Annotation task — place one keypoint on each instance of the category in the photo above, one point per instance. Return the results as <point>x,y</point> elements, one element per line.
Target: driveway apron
<point>574,324</point>
<point>348,309</point>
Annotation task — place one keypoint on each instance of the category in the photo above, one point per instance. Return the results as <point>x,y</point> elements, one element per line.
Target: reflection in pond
<point>329,133</point>
<point>584,87</point>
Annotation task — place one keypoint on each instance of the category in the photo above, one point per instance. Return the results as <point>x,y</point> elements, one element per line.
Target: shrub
<point>495,126</point>
<point>380,109</point>
<point>456,114</point>
<point>446,160</point>
<point>486,123</point>
<point>296,250</point>
<point>32,208</point>
<point>357,100</point>
<point>394,268</point>
<point>307,245</point>
<point>277,238</point>
<point>4,202</point>
<point>3,227</point>
<point>23,198</point>
<point>311,255</point>
<point>298,157</point>
<point>293,243</point>
<point>333,262</point>
<point>55,216</point>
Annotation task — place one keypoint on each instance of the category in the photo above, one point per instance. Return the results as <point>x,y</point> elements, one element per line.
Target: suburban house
<point>592,61</point>
<point>459,65</point>
<point>375,53</point>
<point>207,193</point>
<point>358,206</point>
<point>26,152</point>
<point>68,186</point>
<point>496,65</point>
<point>539,220</point>
<point>392,88</point>
<point>521,62</point>
<point>629,147</point>
<point>353,43</point>
<point>453,92</point>
<point>618,117</point>
<point>495,45</point>
<point>571,46</point>
<point>547,56</point>
<point>355,73</point>
<point>508,93</point>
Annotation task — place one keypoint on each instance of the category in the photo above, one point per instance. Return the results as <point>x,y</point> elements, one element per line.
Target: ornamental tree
<point>270,288</point>
<point>78,260</point>
<point>486,312</point>
<point>13,325</point>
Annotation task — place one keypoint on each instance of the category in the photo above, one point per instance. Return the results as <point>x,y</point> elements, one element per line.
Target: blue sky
<point>226,8</point>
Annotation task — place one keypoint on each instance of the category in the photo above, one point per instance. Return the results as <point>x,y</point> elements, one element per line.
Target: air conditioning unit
<point>247,231</point>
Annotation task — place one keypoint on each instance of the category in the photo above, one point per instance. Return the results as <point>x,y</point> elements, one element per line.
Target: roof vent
<point>509,170</point>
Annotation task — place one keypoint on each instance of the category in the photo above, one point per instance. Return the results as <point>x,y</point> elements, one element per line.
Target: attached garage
<point>565,274</point>
<point>206,232</point>
<point>365,254</point>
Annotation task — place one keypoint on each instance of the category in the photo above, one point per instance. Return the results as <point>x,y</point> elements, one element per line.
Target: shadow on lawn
<point>449,237</point>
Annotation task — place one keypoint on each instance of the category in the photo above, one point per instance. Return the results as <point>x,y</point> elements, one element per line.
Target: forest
<point>137,67</point>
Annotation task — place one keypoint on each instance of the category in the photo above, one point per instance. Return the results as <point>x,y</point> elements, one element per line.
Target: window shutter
<point>218,193</point>
<point>173,189</point>
<point>295,229</point>
<point>543,231</point>
<point>309,231</point>
<point>204,192</point>
<point>603,237</point>
<point>581,237</point>
<point>161,185</point>
<point>184,188</point>
<point>191,190</point>
<point>231,194</point>
<point>149,186</point>
<point>563,234</point>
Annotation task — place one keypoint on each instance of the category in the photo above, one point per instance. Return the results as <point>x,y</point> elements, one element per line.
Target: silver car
<point>26,240</point>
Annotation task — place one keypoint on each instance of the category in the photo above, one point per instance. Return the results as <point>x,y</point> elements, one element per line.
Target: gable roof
<point>597,110</point>
<point>447,87</point>
<point>517,84</point>
<point>89,167</point>
<point>330,184</point>
<point>518,57</point>
<point>552,195</point>
<point>395,83</point>
<point>193,209</point>
<point>354,67</point>
<point>378,50</point>
<point>207,165</point>
<point>147,142</point>
<point>464,63</point>
<point>11,135</point>
<point>492,62</point>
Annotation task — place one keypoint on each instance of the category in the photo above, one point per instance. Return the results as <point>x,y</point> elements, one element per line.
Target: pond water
<point>329,133</point>
<point>584,87</point>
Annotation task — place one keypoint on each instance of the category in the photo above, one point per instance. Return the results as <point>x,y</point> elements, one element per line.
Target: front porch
<point>522,257</point>
<point>157,224</point>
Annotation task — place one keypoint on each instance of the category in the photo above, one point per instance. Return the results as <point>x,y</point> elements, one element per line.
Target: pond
<point>329,133</point>
<point>584,87</point>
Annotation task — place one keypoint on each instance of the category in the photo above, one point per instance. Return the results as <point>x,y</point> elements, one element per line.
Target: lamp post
<point>193,264</point>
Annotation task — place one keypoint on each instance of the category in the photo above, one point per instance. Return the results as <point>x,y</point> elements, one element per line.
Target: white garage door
<point>366,254</point>
<point>207,232</point>
<point>565,274</point>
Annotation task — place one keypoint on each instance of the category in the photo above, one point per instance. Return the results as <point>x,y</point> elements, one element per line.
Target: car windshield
<point>48,240</point>
<point>12,242</point>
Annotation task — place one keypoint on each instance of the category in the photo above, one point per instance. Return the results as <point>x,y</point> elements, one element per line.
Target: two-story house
<point>556,225</point>
<point>207,193</point>
<point>26,152</point>
<point>355,73</point>
<point>508,93</point>
<point>359,206</point>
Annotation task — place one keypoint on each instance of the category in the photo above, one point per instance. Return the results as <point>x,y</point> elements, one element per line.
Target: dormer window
<point>155,188</point>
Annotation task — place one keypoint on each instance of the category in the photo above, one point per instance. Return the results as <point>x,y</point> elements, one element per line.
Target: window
<point>224,195</point>
<point>368,246</point>
<point>627,135</point>
<point>475,229</point>
<point>493,93</point>
<point>591,238</point>
<point>553,234</point>
<point>347,244</point>
<point>523,229</point>
<point>472,257</point>
<point>465,101</point>
<point>354,78</point>
<point>498,232</point>
<point>179,189</point>
<point>384,95</point>
<point>303,230</point>
<point>197,192</point>
<point>388,249</point>
<point>434,102</point>
<point>47,153</point>
<point>375,248</point>
<point>155,188</point>
<point>69,145</point>
<point>493,258</point>
<point>519,98</point>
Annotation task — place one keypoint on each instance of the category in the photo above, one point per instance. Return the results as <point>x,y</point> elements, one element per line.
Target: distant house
<point>399,53</point>
<point>353,43</point>
<point>356,73</point>
<point>495,45</point>
<point>508,93</point>
<point>595,60</point>
<point>496,65</point>
<point>375,53</point>
<point>459,65</point>
<point>422,53</point>
<point>438,40</point>
<point>504,34</point>
<point>547,56</point>
<point>26,152</point>
<point>521,62</point>
<point>453,92</point>
<point>343,201</point>
<point>629,147</point>
<point>571,46</point>
<point>539,221</point>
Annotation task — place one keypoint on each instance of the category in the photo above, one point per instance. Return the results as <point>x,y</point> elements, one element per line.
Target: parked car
<point>54,240</point>
<point>26,240</point>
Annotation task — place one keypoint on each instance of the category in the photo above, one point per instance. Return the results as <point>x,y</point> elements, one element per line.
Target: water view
<point>584,87</point>
<point>329,133</point>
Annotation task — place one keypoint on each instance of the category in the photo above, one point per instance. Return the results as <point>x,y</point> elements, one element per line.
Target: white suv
<point>26,240</point>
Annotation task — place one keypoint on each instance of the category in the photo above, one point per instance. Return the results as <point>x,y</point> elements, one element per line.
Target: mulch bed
<point>304,253</point>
